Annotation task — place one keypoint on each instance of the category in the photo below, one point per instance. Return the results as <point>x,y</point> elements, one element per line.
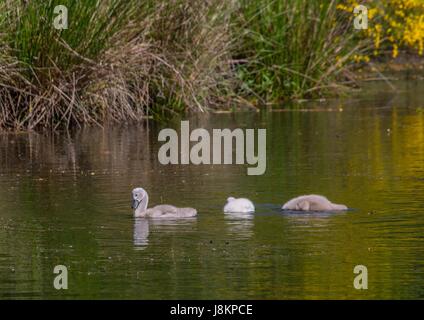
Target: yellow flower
<point>396,24</point>
<point>395,52</point>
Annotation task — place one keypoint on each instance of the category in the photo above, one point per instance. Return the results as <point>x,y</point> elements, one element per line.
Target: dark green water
<point>65,199</point>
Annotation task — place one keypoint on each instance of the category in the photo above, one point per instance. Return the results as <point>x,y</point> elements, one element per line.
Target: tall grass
<point>125,60</point>
<point>120,60</point>
<point>294,48</point>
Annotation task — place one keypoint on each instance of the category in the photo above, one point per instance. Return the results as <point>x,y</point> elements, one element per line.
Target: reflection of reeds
<point>78,153</point>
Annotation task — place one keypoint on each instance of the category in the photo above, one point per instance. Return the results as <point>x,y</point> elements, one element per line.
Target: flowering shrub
<point>392,25</point>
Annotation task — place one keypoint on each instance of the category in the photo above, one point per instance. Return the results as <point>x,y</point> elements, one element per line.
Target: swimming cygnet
<point>141,200</point>
<point>240,205</point>
<point>312,202</point>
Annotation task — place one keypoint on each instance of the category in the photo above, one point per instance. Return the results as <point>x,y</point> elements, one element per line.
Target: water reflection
<point>143,227</point>
<point>315,221</point>
<point>240,224</point>
<point>64,200</point>
<point>141,233</point>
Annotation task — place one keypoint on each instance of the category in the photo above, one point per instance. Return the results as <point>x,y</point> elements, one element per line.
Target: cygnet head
<point>138,195</point>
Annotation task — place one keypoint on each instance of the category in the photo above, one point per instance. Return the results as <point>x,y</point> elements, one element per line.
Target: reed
<point>127,60</point>
<point>295,48</point>
<point>120,60</point>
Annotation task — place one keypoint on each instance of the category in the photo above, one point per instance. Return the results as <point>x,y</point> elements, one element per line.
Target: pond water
<point>65,200</point>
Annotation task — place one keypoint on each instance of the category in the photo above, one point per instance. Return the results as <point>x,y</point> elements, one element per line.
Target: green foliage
<point>125,60</point>
<point>293,47</point>
<point>119,60</point>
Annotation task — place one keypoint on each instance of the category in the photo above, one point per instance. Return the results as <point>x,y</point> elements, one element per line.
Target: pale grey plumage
<point>240,205</point>
<point>140,203</point>
<point>312,202</point>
